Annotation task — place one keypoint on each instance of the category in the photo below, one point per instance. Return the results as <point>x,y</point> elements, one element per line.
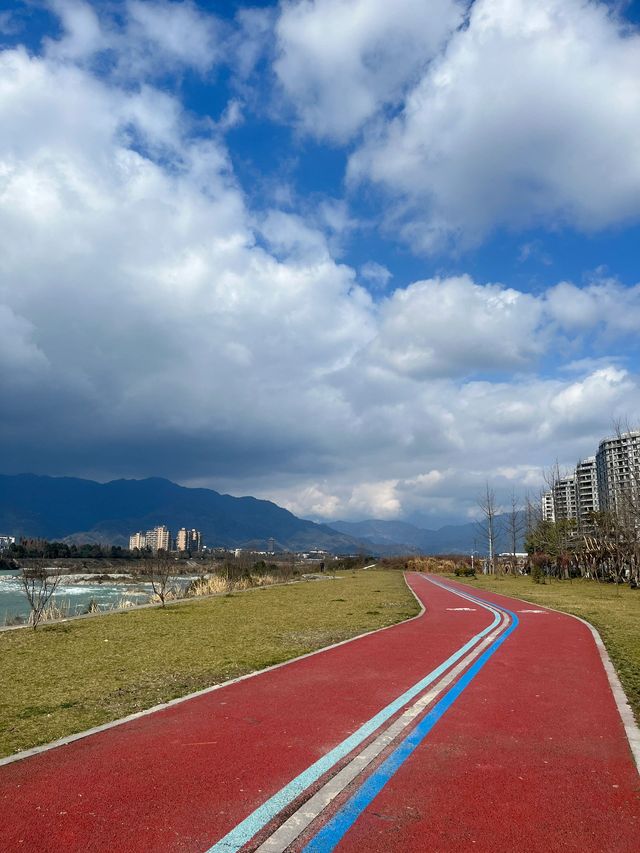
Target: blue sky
<point>357,257</point>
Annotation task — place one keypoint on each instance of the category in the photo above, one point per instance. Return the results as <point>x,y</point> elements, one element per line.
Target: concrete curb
<point>36,750</point>
<point>632,730</point>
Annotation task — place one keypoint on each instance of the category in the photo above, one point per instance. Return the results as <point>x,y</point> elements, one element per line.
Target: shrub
<point>464,571</point>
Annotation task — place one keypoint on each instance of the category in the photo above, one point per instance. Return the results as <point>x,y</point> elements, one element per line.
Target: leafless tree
<point>38,585</point>
<point>159,571</point>
<point>488,525</point>
<point>514,527</point>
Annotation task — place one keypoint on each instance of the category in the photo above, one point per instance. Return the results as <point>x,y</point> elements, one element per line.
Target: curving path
<point>483,724</point>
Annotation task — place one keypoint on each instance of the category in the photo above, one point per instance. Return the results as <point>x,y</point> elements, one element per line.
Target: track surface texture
<point>515,744</point>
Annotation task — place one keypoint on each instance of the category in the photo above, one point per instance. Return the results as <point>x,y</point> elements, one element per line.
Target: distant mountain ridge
<point>83,510</point>
<point>450,539</point>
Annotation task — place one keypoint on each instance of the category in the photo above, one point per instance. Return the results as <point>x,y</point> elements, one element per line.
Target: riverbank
<point>75,594</point>
<point>72,676</point>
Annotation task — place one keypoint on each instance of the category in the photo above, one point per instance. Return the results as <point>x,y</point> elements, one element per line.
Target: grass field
<point>69,677</point>
<point>615,612</point>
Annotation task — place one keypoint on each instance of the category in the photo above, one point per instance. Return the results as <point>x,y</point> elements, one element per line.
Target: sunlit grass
<point>68,677</point>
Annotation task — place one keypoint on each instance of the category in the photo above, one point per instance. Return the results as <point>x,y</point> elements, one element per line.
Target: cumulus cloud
<point>339,61</point>
<point>530,422</point>
<point>150,38</point>
<point>141,278</point>
<point>530,116</point>
<point>152,323</point>
<point>376,274</point>
<point>453,326</point>
<point>604,304</point>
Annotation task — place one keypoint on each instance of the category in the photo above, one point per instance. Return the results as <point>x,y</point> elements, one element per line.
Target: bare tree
<point>514,527</point>
<point>488,526</point>
<point>159,571</point>
<point>38,585</point>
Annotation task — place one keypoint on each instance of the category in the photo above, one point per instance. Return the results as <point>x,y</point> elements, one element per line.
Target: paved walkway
<point>484,724</point>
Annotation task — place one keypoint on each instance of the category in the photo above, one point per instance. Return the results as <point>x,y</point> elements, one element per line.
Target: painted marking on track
<point>532,611</point>
<point>258,819</point>
<point>289,831</point>
<point>457,609</point>
<point>332,832</point>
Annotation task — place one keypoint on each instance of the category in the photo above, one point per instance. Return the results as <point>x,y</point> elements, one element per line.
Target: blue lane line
<point>333,831</point>
<point>257,820</point>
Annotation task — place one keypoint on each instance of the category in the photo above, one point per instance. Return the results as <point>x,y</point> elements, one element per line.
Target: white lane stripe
<point>260,817</point>
<point>287,833</point>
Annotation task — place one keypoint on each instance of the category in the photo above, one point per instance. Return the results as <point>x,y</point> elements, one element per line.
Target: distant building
<point>137,541</point>
<point>188,540</point>
<point>156,539</point>
<point>6,542</point>
<point>565,505</point>
<point>618,470</point>
<point>548,512</point>
<point>587,499</point>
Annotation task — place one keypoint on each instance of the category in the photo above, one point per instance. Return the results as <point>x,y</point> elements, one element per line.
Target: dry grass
<point>433,565</point>
<point>70,676</point>
<point>216,584</point>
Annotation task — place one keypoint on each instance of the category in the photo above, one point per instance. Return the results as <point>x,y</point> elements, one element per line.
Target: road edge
<point>68,739</point>
<point>632,730</point>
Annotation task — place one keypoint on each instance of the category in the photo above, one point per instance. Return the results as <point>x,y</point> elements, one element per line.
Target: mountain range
<point>83,510</point>
<point>450,539</point>
<point>58,508</point>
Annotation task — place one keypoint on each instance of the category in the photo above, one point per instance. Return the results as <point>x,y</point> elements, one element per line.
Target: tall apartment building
<point>188,540</point>
<point>618,470</point>
<point>565,505</point>
<point>159,538</point>
<point>587,496</point>
<point>548,512</point>
<point>156,539</point>
<point>137,540</point>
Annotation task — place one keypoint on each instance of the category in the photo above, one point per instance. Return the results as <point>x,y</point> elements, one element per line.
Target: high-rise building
<point>548,512</point>
<point>587,499</point>
<point>188,540</point>
<point>565,506</point>
<point>137,540</point>
<point>158,538</point>
<point>618,470</point>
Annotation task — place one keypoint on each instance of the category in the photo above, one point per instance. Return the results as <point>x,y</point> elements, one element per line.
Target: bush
<point>464,571</point>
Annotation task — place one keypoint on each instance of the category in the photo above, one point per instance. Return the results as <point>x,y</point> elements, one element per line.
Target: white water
<point>73,598</point>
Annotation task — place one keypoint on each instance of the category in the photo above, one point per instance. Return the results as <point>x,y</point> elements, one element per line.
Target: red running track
<point>532,756</point>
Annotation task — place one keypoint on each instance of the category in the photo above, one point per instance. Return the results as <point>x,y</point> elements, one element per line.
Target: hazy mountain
<point>59,507</point>
<point>86,511</point>
<point>451,539</point>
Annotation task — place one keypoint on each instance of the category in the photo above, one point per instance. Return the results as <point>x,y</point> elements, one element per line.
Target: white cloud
<point>178,31</point>
<point>606,304</point>
<point>531,116</point>
<point>444,327</point>
<point>166,328</point>
<point>154,37</point>
<point>341,60</point>
<point>141,276</point>
<point>83,32</point>
<point>376,274</point>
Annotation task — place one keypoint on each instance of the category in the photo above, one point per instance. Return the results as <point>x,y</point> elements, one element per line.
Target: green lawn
<point>69,677</point>
<point>614,612</point>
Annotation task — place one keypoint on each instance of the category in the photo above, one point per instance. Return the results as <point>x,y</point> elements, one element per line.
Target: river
<point>74,598</point>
